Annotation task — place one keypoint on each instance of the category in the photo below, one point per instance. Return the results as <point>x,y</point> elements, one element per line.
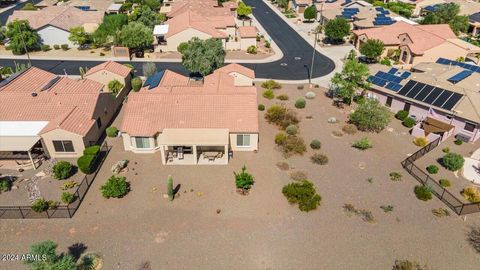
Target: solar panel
<point>407,87</point>
<point>405,75</point>
<point>460,76</point>
<point>415,90</point>
<point>424,93</point>
<point>452,101</point>
<point>393,86</point>
<point>442,98</point>
<point>370,79</point>
<point>393,70</point>
<point>154,80</point>
<point>433,95</point>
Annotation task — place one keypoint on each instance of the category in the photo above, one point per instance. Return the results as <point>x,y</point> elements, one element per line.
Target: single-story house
<point>300,5</point>
<point>443,97</point>
<point>193,124</point>
<point>474,22</point>
<point>247,36</point>
<point>52,115</point>
<point>53,23</point>
<point>361,17</point>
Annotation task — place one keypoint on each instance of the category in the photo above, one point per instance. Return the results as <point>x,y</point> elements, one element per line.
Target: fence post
<point>461,210</point>
<point>441,197</point>
<point>21,213</point>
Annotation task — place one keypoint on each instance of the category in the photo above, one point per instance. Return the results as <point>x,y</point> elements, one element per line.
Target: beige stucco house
<point>190,125</point>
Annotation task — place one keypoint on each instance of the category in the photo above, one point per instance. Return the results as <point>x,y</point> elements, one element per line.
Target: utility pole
<point>313,59</point>
<point>24,45</point>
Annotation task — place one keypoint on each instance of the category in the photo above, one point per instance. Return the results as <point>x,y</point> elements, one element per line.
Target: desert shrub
<point>252,49</point>
<point>445,182</point>
<point>298,175</point>
<point>281,116</point>
<point>115,187</point>
<point>302,193</point>
<point>387,208</point>
<point>409,122</point>
<point>90,261</point>
<point>300,103</point>
<point>363,144</point>
<point>5,185</point>
<point>280,138</point>
<point>471,194</point>
<point>458,142</point>
<point>271,84</point>
<point>244,179</point>
<point>268,94</point>
<point>370,116</point>
<point>401,115</point>
<point>440,212</point>
<point>62,170</point>
<point>423,193</point>
<point>432,169</point>
<point>111,131</point>
<point>282,97</point>
<point>261,107</point>
<point>282,165</point>
<point>395,176</point>
<point>366,215</point>
<point>420,141</point>
<point>292,130</point>
<point>45,48</point>
<point>337,133</point>
<point>319,159</point>
<point>101,54</point>
<point>349,129</point>
<point>407,265</point>
<point>315,144</point>
<point>474,238</point>
<point>64,47</point>
<point>92,150</point>
<point>452,161</point>
<point>293,145</point>
<point>67,197</point>
<point>446,150</point>
<point>86,164</point>
<point>56,47</point>
<point>136,84</point>
<point>300,87</point>
<point>40,205</point>
<point>52,204</point>
<point>68,185</point>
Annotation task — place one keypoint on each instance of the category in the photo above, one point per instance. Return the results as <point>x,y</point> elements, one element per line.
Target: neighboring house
<point>86,5</point>
<point>247,36</point>
<point>422,7</point>
<point>418,43</point>
<point>53,23</point>
<point>443,97</point>
<point>474,21</point>
<point>43,113</point>
<point>193,124</point>
<point>338,5</point>
<point>205,8</point>
<point>363,17</point>
<point>300,5</point>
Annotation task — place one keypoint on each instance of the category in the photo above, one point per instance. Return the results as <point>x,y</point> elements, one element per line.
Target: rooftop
<point>208,25</point>
<point>112,67</point>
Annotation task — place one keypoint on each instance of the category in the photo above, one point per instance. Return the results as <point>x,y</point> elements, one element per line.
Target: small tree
<point>136,84</point>
<point>22,36</point>
<point>79,36</point>
<point>115,187</point>
<point>135,36</point>
<point>352,78</point>
<point>170,187</point>
<point>62,170</point>
<point>310,13</point>
<point>149,69</point>
<point>244,180</point>
<point>49,259</point>
<point>115,86</point>
<point>337,29</point>
<point>203,56</point>
<point>111,131</point>
<point>283,4</point>
<point>453,162</point>
<point>370,116</point>
<point>243,10</point>
<point>372,49</point>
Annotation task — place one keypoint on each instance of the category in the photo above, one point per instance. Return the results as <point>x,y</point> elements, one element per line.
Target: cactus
<point>83,71</point>
<point>170,188</point>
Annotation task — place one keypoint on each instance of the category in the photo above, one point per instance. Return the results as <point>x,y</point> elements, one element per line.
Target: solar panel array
<point>431,8</point>
<point>429,94</point>
<point>347,2</point>
<point>348,13</point>
<point>460,76</point>
<point>154,80</point>
<point>381,10</point>
<point>331,1</point>
<point>390,80</point>
<point>382,17</point>
<point>444,61</point>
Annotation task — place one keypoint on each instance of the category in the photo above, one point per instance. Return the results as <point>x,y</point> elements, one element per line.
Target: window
<point>142,142</point>
<point>389,101</point>
<point>99,122</point>
<point>407,107</point>
<point>469,127</point>
<point>63,146</point>
<point>243,140</point>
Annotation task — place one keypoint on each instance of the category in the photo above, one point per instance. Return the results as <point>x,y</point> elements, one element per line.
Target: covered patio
<point>432,128</point>
<point>194,146</point>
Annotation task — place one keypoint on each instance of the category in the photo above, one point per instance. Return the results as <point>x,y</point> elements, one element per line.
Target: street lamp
<point>309,75</point>
<point>313,59</point>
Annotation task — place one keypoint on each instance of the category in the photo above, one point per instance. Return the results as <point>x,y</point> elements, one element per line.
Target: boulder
<point>119,166</point>
<point>332,120</point>
<point>310,95</point>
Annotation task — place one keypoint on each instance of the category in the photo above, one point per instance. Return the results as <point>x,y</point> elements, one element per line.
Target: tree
<point>203,56</point>
<point>135,36</point>
<point>243,10</point>
<point>370,116</point>
<point>146,16</point>
<point>353,77</point>
<point>310,13</point>
<point>49,259</point>
<point>149,69</point>
<point>448,13</point>
<point>21,35</point>
<point>337,29</point>
<point>152,4</point>
<point>283,4</point>
<point>372,49</point>
<point>79,36</point>
<point>115,86</point>
<point>110,27</point>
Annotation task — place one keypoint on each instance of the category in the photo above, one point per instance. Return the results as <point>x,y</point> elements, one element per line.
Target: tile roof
<point>113,67</point>
<point>208,25</point>
<point>203,7</point>
<point>237,68</point>
<point>247,31</point>
<point>63,17</point>
<point>171,78</point>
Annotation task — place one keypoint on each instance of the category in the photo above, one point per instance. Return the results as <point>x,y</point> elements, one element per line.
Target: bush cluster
<point>420,141</point>
<point>315,144</point>
<point>136,84</point>
<point>40,205</point>
<point>292,145</point>
<point>319,159</point>
<point>292,130</point>
<point>244,179</point>
<point>271,84</point>
<point>452,161</point>
<point>423,193</point>
<point>268,94</point>
<point>5,185</point>
<point>458,142</point>
<point>363,144</point>
<point>302,193</point>
<point>300,103</point>
<point>432,169</point>
<point>471,194</point>
<point>282,97</point>
<point>281,116</point>
<point>115,187</point>
<point>395,176</point>
<point>67,197</point>
<point>401,115</point>
<point>261,107</point>
<point>444,182</point>
<point>62,170</point>
<point>252,49</point>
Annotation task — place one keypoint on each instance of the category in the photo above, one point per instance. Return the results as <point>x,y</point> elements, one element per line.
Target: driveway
<point>294,65</point>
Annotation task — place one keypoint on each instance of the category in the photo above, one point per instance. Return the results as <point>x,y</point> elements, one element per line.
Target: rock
<point>117,167</point>
<point>199,194</point>
<point>14,187</point>
<point>41,174</point>
<point>165,196</point>
<point>332,120</point>
<point>310,95</point>
<point>218,211</point>
<point>20,170</point>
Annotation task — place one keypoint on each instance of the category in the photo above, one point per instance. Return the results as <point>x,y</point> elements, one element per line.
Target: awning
<point>432,125</point>
<point>19,135</point>
<point>199,137</point>
<point>160,30</point>
<point>114,7</point>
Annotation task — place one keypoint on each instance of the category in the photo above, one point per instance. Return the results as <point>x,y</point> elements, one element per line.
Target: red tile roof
<point>112,67</point>
<point>247,31</point>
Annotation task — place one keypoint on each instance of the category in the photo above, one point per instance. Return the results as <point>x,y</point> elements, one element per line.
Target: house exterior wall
<point>230,31</point>
<point>51,35</point>
<point>184,36</point>
<point>240,79</point>
<point>63,135</point>
<point>129,145</point>
<point>253,142</point>
<point>247,42</point>
<point>359,40</point>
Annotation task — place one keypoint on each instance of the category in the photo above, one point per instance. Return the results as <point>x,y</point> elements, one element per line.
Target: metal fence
<point>62,211</point>
<point>442,193</point>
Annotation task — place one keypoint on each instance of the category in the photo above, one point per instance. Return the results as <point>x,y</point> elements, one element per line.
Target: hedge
<point>85,164</point>
<point>92,150</point>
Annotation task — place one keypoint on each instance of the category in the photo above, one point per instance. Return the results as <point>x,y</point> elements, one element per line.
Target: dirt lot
<point>261,230</point>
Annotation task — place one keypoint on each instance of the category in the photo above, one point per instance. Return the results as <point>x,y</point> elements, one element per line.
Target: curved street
<point>294,65</point>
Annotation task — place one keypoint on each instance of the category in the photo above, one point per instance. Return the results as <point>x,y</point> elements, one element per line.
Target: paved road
<point>293,66</point>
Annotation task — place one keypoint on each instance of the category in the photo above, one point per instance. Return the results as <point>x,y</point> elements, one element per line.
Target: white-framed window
<point>243,140</point>
<point>63,146</point>
<point>142,142</point>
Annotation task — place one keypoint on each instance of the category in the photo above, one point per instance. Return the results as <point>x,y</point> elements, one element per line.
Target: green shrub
<point>370,116</point>
<point>268,94</point>
<point>292,130</point>
<point>385,61</point>
<point>29,6</point>
<point>445,182</point>
<point>45,48</point>
<point>282,97</point>
<point>5,185</point>
<point>387,208</point>
<point>111,131</point>
<point>62,170</point>
<point>432,169</point>
<point>64,47</point>
<point>452,161</point>
<point>458,142</point>
<point>401,115</point>
<point>115,187</point>
<point>302,193</point>
<point>409,122</point>
<point>244,179</point>
<point>271,84</point>
<point>68,185</point>
<point>90,261</point>
<point>56,47</point>
<point>446,150</point>
<point>40,205</point>
<point>136,84</point>
<point>261,107</point>
<point>182,47</point>
<point>252,49</point>
<point>363,144</point>
<point>395,176</point>
<point>300,103</point>
<point>281,116</point>
<point>420,141</point>
<point>293,145</point>
<point>423,193</point>
<point>315,144</point>
<point>86,164</point>
<point>67,197</point>
<point>280,138</point>
<point>92,150</point>
<point>359,99</point>
<point>408,265</point>
<point>52,204</point>
<point>319,159</point>
<point>349,129</point>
